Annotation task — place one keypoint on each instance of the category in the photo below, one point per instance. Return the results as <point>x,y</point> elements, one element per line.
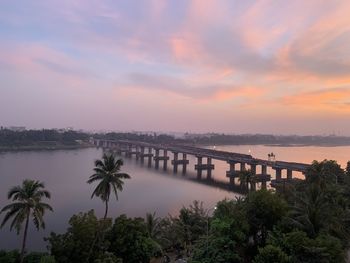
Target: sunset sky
<point>279,67</point>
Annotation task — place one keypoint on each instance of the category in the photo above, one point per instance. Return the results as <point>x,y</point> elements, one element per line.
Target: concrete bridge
<point>237,162</point>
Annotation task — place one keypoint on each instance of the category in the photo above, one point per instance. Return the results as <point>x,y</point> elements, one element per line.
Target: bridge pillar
<point>253,168</point>
<point>165,164</point>
<point>185,163</point>
<point>142,152</point>
<point>137,152</point>
<point>129,150</point>
<point>289,174</point>
<point>150,156</point>
<point>264,174</point>
<point>175,164</point>
<point>200,167</point>
<point>118,150</point>
<point>156,159</point>
<point>209,163</point>
<point>242,166</point>
<point>232,173</point>
<point>199,163</point>
<point>163,158</point>
<point>278,174</point>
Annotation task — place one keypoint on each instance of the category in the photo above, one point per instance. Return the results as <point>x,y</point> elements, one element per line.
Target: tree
<point>300,248</point>
<point>311,211</point>
<point>130,241</point>
<point>26,203</point>
<point>225,243</point>
<point>74,245</point>
<point>9,256</point>
<point>271,254</point>
<point>264,209</point>
<point>109,177</point>
<point>324,173</point>
<point>152,223</point>
<point>190,225</point>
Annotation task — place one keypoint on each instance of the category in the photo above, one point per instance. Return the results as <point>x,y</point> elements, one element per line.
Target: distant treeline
<point>54,137</point>
<point>150,137</point>
<point>224,139</point>
<point>9,138</point>
<point>285,140</point>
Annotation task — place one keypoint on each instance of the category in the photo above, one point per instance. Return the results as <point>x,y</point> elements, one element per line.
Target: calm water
<point>65,174</point>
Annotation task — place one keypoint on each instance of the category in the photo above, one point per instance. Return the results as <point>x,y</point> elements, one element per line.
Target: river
<point>65,173</point>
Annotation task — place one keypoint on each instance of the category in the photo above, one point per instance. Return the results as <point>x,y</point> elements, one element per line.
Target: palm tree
<point>109,177</point>
<point>152,223</point>
<point>26,203</point>
<point>311,211</point>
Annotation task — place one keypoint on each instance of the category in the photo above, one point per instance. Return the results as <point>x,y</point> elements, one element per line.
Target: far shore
<point>23,148</point>
<point>275,145</point>
<point>42,147</point>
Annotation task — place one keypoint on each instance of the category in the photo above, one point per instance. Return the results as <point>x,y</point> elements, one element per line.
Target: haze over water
<point>65,174</point>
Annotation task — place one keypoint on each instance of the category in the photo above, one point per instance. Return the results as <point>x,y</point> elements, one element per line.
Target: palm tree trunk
<point>24,238</point>
<point>105,216</point>
<point>97,234</point>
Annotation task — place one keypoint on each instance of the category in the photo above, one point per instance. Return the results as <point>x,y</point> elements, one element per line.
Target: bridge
<point>237,162</point>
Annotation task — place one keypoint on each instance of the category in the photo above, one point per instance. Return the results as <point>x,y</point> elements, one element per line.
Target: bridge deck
<point>218,155</point>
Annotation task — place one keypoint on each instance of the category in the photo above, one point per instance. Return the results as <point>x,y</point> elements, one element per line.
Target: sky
<point>264,66</point>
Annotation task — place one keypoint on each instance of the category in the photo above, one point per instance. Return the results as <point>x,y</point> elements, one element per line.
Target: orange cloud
<point>337,99</point>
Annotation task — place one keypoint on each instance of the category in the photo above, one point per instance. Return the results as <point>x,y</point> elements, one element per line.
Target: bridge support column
<point>117,149</point>
<point>263,177</point>
<point>199,163</point>
<point>253,168</point>
<point>137,152</point>
<point>200,167</point>
<point>185,163</point>
<point>128,153</point>
<point>289,174</point>
<point>165,164</point>
<point>150,156</point>
<point>242,166</point>
<point>253,171</point>
<point>163,158</point>
<point>175,163</point>
<point>156,159</point>
<point>142,154</point>
<point>263,173</point>
<point>209,163</point>
<point>278,174</point>
<point>232,173</point>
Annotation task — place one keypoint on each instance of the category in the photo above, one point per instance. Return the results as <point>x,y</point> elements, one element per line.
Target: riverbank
<point>206,145</point>
<point>20,148</point>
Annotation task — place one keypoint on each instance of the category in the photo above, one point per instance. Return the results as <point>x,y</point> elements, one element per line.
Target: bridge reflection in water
<point>237,162</point>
